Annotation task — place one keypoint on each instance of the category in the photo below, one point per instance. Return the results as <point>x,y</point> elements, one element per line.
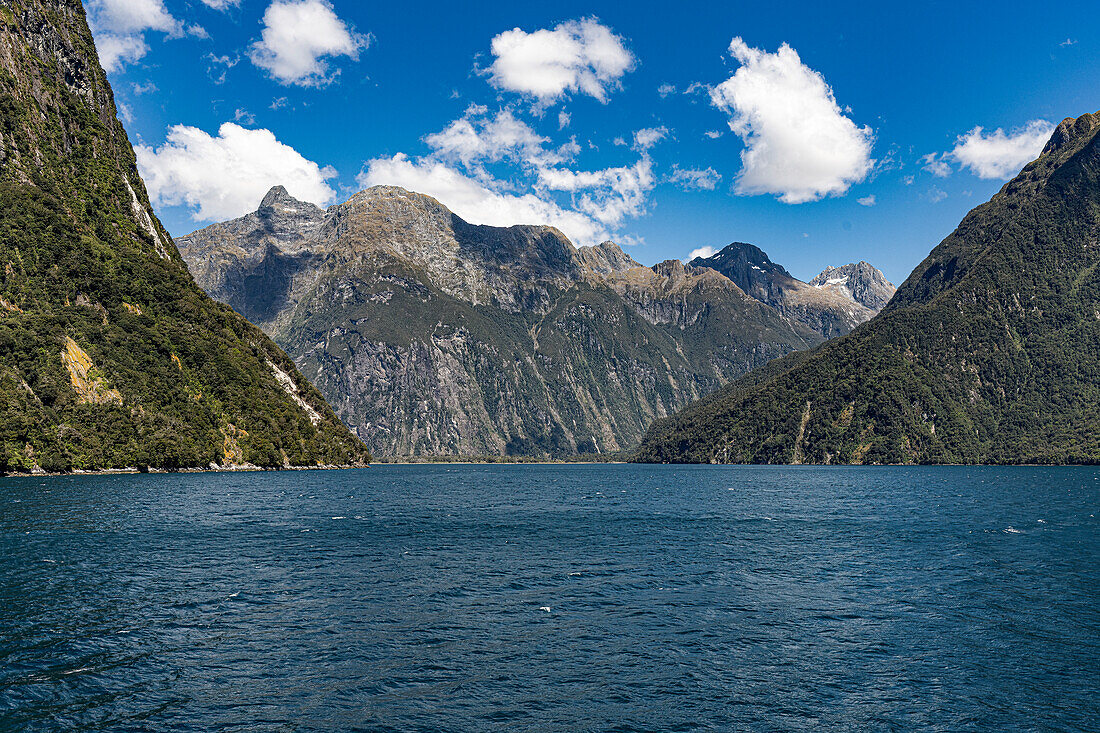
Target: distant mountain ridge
<point>110,355</point>
<point>430,335</point>
<point>989,352</point>
<point>819,304</point>
<point>860,281</point>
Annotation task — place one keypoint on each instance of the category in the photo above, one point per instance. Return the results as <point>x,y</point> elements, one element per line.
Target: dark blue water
<point>553,598</point>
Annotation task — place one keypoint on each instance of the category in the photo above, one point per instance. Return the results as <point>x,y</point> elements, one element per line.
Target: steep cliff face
<point>989,352</point>
<point>826,307</point>
<point>110,355</point>
<point>430,335</point>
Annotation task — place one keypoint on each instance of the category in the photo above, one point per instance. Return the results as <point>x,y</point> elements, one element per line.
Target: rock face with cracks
<point>430,335</point>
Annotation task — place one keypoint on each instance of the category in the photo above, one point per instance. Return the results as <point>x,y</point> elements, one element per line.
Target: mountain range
<point>833,303</point>
<point>989,352</point>
<point>433,336</point>
<point>110,355</point>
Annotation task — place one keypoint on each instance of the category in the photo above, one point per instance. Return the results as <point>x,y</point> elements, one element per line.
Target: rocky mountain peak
<point>832,310</point>
<point>859,281</point>
<point>751,269</point>
<point>606,258</point>
<point>1072,129</point>
<point>980,356</point>
<point>278,199</point>
<point>741,257</point>
<point>672,269</point>
<point>285,218</point>
<point>398,204</point>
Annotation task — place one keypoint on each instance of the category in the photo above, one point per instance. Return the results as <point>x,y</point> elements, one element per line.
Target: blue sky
<point>837,131</point>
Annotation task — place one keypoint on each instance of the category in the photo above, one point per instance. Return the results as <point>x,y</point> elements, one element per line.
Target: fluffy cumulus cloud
<point>705,252</point>
<point>608,195</point>
<point>998,154</point>
<point>119,27</point>
<point>478,138</point>
<point>577,56</point>
<point>298,38</point>
<point>799,144</point>
<point>695,179</point>
<point>475,200</point>
<point>479,162</point>
<point>221,4</point>
<point>225,176</point>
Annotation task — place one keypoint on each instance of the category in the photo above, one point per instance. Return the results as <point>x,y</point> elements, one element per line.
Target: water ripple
<point>553,598</point>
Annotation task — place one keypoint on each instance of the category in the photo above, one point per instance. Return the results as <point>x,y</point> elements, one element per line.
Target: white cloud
<point>475,201</point>
<point>464,172</point>
<point>666,89</point>
<point>867,200</point>
<point>608,195</point>
<point>695,179</point>
<point>478,138</point>
<point>118,51</point>
<point>119,28</point>
<point>998,154</point>
<point>936,165</point>
<point>243,115</point>
<point>799,145</point>
<point>132,16</point>
<point>298,36</point>
<point>226,176</point>
<point>563,119</point>
<point>936,194</point>
<point>221,4</point>
<point>706,252</point>
<point>577,56</point>
<point>647,137</point>
<point>713,134</point>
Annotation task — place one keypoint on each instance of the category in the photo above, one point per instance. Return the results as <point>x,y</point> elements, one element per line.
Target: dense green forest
<point>988,353</point>
<point>110,355</point>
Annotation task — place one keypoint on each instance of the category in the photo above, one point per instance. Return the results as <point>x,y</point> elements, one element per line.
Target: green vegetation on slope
<point>582,377</point>
<point>988,353</point>
<point>110,355</point>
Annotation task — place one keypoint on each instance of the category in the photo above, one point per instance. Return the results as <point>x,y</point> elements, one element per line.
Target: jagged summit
<point>832,311</point>
<point>987,353</point>
<point>606,258</point>
<point>745,261</point>
<point>1070,130</point>
<point>860,281</point>
<point>279,200</point>
<point>432,335</point>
